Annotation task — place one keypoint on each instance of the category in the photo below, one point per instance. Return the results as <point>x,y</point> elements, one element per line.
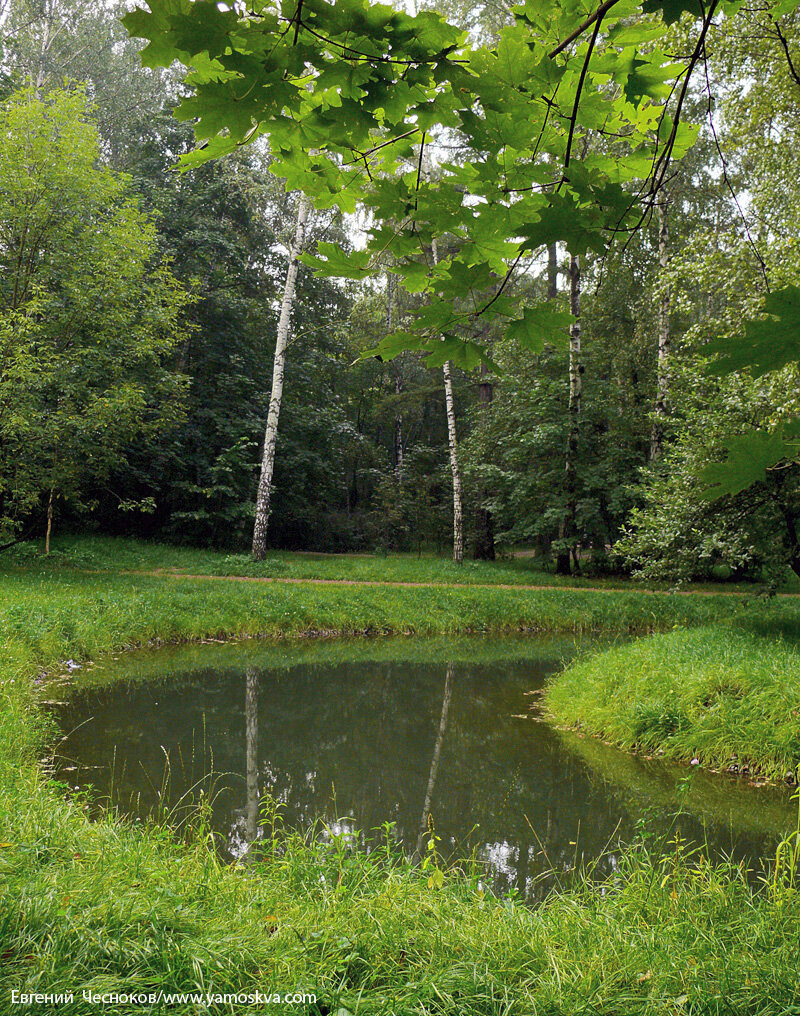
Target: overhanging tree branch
<point>576,105</point>
<point>598,15</point>
<point>785,46</point>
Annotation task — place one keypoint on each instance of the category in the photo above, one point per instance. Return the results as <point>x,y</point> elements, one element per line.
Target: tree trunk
<point>569,527</point>
<point>662,380</point>
<point>271,433</point>
<point>458,522</point>
<point>552,272</point>
<point>458,519</point>
<point>791,540</point>
<point>483,548</point>
<point>391,289</point>
<point>39,77</point>
<point>562,560</point>
<point>49,523</point>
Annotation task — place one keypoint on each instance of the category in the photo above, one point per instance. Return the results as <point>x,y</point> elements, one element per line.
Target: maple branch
<point>348,51</point>
<point>598,15</point>
<point>551,105</point>
<point>661,164</point>
<point>785,45</point>
<point>574,118</point>
<point>298,20</point>
<point>727,179</point>
<point>502,286</point>
<point>659,170</point>
<point>383,144</point>
<point>419,163</point>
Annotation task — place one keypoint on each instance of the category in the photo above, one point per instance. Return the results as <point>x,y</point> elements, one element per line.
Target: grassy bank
<point>724,696</point>
<point>110,906</point>
<point>111,554</point>
<point>67,613</point>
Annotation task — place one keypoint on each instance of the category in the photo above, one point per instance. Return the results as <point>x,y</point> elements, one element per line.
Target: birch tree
<point>662,382</point>
<point>569,526</point>
<point>458,515</point>
<point>452,444</point>
<point>391,296</point>
<point>264,492</point>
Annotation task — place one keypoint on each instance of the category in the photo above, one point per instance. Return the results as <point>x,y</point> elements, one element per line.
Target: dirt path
<point>381,583</point>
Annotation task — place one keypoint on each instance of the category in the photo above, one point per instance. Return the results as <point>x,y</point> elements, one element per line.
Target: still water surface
<point>360,734</point>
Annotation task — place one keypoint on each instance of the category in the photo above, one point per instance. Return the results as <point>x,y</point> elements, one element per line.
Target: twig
<point>726,178</point>
<point>599,14</point>
<point>785,45</point>
<point>660,171</point>
<point>574,118</point>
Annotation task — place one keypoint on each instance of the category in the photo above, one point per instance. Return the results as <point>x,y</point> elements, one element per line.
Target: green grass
<point>117,554</point>
<point>58,613</point>
<point>114,907</point>
<point>719,694</point>
<point>109,905</point>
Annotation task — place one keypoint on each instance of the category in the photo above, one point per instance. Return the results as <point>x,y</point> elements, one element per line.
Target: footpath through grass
<point>101,553</point>
<point>110,906</point>
<point>60,607</point>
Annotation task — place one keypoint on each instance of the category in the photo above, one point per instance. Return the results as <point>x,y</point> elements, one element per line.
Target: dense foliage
<point>550,129</point>
<point>88,316</point>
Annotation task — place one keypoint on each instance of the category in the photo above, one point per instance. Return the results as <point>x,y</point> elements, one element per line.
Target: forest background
<point>139,316</point>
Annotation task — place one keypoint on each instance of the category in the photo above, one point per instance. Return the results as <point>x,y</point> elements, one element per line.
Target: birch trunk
<point>546,539</point>
<point>662,380</point>
<point>49,528</point>
<point>458,520</point>
<point>569,528</point>
<point>483,549</point>
<point>391,289</point>
<point>271,433</point>
<point>458,513</point>
<point>39,78</point>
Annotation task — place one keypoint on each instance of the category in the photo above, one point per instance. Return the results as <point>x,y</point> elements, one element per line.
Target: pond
<point>441,734</point>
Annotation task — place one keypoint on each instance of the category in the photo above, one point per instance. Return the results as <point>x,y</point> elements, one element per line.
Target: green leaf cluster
<point>558,125</point>
<point>87,315</point>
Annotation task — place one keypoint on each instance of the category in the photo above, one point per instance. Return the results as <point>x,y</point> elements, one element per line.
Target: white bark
<point>271,433</point>
<point>452,442</point>
<point>662,380</point>
<point>49,523</point>
<point>458,520</point>
<point>569,526</point>
<point>391,290</point>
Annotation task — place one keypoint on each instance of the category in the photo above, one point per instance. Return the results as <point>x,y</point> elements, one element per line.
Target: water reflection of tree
<point>251,776</point>
<point>437,751</point>
<point>371,729</point>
